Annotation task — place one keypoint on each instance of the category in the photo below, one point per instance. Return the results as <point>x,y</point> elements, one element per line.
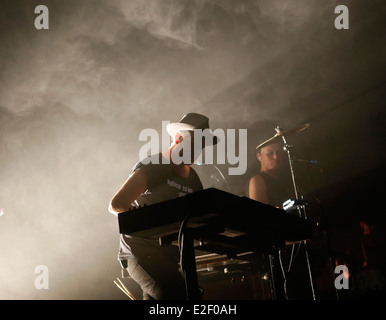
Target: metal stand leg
<point>301,209</point>
<point>272,278</point>
<point>188,265</point>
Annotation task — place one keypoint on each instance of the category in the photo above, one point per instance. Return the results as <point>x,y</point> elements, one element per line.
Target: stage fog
<point>75,97</point>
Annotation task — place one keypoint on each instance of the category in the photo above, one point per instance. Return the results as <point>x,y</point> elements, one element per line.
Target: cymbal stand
<point>301,208</point>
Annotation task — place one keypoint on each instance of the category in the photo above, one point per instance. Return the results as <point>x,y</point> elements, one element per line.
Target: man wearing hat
<point>153,267</point>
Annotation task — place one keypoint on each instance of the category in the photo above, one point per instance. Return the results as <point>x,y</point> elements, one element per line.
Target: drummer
<point>271,185</point>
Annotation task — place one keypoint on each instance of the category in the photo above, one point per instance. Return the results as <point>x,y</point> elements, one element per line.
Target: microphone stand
<point>301,208</point>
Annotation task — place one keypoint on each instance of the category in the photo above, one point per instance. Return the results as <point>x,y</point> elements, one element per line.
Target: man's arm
<point>258,189</point>
<point>129,192</point>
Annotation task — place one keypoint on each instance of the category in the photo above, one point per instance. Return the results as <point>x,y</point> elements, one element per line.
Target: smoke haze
<point>74,98</point>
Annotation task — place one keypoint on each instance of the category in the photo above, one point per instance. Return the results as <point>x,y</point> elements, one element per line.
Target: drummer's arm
<point>128,193</point>
<point>258,189</point>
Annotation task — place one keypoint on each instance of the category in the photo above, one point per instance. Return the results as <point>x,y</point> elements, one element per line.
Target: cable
<point>284,276</point>
<point>181,239</point>
<point>285,272</point>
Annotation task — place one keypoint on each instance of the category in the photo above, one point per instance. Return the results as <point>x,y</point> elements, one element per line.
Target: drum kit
<point>300,204</point>
<point>297,205</point>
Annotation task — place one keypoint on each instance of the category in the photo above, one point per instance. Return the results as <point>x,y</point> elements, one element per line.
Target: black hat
<point>189,122</point>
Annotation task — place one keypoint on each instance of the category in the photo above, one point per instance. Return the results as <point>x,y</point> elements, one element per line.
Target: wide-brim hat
<point>189,122</point>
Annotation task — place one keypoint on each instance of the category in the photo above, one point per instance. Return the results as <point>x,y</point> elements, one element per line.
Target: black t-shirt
<point>163,184</point>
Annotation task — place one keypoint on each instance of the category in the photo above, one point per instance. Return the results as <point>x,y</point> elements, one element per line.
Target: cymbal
<point>279,134</point>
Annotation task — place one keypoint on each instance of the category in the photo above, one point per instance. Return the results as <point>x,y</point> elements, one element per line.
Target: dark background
<point>74,98</point>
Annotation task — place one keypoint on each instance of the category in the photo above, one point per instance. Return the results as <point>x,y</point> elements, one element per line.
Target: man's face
<point>186,140</point>
<point>271,157</point>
